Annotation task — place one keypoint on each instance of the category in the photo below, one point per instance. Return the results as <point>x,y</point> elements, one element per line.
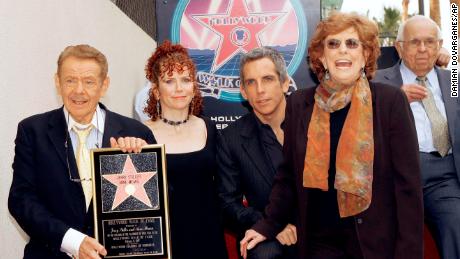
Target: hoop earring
<point>158,109</point>
<point>363,73</point>
<point>326,75</point>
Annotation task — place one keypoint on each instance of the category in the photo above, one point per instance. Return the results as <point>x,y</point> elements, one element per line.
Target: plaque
<point>130,202</point>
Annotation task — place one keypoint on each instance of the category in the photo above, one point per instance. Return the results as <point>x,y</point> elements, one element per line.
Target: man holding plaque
<point>50,196</point>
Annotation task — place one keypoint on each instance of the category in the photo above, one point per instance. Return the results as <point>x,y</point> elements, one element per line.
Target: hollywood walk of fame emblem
<point>128,189</point>
<point>240,21</point>
<point>217,33</point>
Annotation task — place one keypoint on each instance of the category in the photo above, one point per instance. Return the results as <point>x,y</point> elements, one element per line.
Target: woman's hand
<point>288,236</point>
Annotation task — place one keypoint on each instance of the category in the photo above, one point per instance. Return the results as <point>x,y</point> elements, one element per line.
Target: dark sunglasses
<point>335,43</point>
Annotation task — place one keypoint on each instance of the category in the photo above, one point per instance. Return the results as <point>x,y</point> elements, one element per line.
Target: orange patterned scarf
<point>355,151</point>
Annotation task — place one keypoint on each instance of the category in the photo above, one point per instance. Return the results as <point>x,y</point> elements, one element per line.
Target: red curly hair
<point>337,22</point>
<point>166,59</point>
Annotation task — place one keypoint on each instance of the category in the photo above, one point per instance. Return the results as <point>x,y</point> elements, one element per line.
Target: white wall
<point>32,34</point>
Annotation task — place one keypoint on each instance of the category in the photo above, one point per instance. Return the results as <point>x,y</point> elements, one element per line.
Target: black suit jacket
<point>42,199</point>
<point>392,226</point>
<point>244,169</point>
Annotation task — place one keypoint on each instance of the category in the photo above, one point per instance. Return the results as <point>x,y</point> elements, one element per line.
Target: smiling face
<point>344,63</point>
<point>80,84</point>
<point>262,88</point>
<point>175,91</point>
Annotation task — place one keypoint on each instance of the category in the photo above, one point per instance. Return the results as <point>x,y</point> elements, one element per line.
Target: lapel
<point>393,75</point>
<point>449,102</point>
<point>304,117</point>
<point>254,150</point>
<point>57,134</point>
<point>111,127</point>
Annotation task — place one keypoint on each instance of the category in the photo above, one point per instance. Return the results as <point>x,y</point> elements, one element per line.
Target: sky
<point>375,8</point>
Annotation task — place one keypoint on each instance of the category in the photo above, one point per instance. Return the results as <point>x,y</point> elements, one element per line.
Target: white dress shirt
<point>422,123</point>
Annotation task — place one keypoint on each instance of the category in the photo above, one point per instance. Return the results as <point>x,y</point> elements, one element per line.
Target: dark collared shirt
<point>273,149</point>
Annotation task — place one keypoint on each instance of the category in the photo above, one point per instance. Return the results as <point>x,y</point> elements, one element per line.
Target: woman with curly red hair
<point>351,171</point>
<point>174,108</point>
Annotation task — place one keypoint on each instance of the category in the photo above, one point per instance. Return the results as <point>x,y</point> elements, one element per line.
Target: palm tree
<point>389,26</point>
<point>405,10</point>
<point>435,13</point>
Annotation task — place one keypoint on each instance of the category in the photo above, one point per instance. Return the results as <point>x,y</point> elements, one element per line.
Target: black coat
<point>42,199</point>
<point>392,226</point>
<point>244,169</point>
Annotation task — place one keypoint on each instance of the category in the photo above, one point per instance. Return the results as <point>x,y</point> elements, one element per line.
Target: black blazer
<point>392,226</point>
<point>244,169</point>
<point>42,199</point>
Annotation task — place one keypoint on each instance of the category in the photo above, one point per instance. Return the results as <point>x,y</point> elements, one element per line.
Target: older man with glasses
<point>427,88</point>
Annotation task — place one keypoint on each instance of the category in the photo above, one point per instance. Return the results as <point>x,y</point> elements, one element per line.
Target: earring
<point>363,73</point>
<point>326,75</point>
<point>158,109</point>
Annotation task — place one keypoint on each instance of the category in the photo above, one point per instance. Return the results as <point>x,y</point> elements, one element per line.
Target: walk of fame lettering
<point>130,183</point>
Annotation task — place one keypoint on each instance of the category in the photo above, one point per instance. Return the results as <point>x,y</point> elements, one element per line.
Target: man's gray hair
<point>414,18</point>
<point>265,52</point>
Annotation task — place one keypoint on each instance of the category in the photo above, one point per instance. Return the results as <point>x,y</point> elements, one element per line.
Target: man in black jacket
<point>250,150</point>
<point>50,196</point>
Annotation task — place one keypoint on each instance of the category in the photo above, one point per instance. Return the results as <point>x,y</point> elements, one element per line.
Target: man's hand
<point>91,249</point>
<point>414,92</point>
<point>288,236</point>
<point>128,144</point>
<point>250,240</point>
<point>443,58</point>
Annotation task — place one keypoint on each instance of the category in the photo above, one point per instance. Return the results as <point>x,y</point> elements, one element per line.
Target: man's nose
<point>79,88</point>
<point>260,88</point>
<point>422,46</point>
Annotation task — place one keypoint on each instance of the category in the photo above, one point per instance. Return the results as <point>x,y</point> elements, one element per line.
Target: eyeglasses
<point>66,145</point>
<point>75,180</point>
<point>430,43</point>
<point>335,43</point>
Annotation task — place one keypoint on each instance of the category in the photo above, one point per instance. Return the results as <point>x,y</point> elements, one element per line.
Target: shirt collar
<point>97,121</point>
<point>409,76</point>
<point>265,131</point>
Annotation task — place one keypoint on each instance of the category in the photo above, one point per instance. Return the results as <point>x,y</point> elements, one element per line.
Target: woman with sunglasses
<point>351,168</point>
<point>174,108</point>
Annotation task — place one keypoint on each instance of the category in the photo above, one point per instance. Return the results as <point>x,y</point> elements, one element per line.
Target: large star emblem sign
<point>130,183</point>
<point>238,30</point>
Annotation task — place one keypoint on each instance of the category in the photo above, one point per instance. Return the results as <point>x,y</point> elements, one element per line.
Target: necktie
<point>439,129</point>
<point>83,163</point>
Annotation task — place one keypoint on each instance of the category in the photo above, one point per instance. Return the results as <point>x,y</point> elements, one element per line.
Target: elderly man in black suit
<point>51,192</point>
<point>250,150</point>
<point>427,88</point>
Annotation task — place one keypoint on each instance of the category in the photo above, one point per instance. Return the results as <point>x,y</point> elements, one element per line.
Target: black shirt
<point>323,206</point>
<point>272,148</point>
